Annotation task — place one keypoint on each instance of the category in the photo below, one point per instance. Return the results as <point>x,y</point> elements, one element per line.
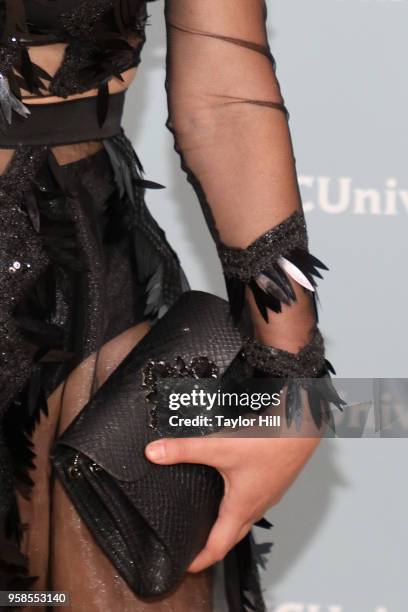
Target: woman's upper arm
<point>227,113</point>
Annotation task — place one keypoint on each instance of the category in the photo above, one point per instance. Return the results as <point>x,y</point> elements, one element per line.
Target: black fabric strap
<point>68,122</point>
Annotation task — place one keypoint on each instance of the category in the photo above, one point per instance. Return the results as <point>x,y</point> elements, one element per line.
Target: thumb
<point>168,451</point>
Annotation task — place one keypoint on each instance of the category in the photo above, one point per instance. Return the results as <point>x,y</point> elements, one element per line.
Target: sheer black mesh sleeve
<point>230,125</point>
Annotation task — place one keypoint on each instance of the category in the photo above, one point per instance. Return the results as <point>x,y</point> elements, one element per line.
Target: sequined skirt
<point>83,267</point>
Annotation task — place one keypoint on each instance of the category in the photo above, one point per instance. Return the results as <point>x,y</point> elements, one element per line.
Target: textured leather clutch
<point>150,520</point>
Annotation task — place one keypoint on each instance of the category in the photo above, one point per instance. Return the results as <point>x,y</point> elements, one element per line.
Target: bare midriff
<point>50,57</point>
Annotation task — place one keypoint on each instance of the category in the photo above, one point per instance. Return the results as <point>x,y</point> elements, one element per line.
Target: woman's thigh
<point>61,550</point>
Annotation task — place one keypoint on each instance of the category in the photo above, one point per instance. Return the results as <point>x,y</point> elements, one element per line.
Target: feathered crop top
<point>103,37</point>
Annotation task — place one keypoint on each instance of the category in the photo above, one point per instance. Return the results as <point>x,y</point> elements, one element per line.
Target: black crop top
<point>104,38</point>
<point>50,15</point>
<point>78,18</point>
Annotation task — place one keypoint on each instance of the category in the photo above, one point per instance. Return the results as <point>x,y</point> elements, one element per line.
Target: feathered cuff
<point>267,265</point>
<point>308,370</point>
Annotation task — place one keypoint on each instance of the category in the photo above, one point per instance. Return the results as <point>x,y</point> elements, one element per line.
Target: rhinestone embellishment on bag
<point>16,266</point>
<point>74,471</point>
<point>199,367</point>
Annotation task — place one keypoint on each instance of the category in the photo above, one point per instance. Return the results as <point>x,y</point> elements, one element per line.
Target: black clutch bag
<point>150,520</point>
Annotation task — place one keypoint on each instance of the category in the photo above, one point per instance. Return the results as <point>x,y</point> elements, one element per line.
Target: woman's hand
<point>256,472</point>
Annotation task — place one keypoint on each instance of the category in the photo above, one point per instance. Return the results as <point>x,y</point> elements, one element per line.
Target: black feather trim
<point>232,581</point>
<point>272,286</point>
<point>31,76</point>
<point>26,69</point>
<point>263,523</point>
<point>154,292</point>
<point>248,605</point>
<point>294,401</point>
<point>12,528</point>
<point>19,422</point>
<point>138,162</point>
<point>315,299</point>
<point>306,262</point>
<point>158,266</point>
<point>298,408</point>
<point>236,296</point>
<point>40,73</point>
<point>242,582</point>
<point>122,171</point>
<point>321,393</point>
<point>329,393</point>
<point>276,274</point>
<point>13,563</point>
<point>16,83</point>
<point>261,553</point>
<point>149,184</point>
<point>310,260</point>
<point>330,367</point>
<point>315,406</point>
<point>263,300</point>
<point>273,294</point>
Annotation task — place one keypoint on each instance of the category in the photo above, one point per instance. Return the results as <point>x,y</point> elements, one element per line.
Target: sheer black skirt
<point>84,272</point>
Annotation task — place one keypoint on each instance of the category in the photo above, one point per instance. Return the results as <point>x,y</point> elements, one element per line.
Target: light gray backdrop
<point>340,534</point>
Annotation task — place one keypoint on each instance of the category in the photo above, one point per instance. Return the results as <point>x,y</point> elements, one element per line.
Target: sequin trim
<point>309,362</point>
<point>279,241</point>
<point>22,260</point>
<point>81,20</point>
<point>9,57</point>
